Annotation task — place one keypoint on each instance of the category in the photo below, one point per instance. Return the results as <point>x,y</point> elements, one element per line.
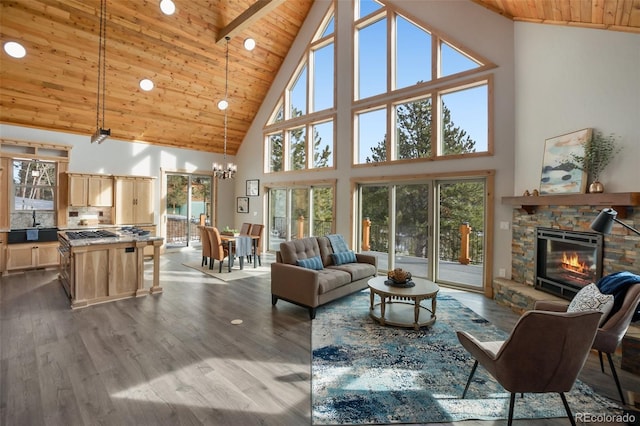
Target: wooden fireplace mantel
<point>619,201</point>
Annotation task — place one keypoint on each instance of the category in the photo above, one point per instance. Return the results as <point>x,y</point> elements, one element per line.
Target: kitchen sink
<point>16,236</point>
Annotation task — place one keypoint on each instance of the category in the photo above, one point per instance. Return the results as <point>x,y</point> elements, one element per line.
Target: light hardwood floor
<point>175,358</point>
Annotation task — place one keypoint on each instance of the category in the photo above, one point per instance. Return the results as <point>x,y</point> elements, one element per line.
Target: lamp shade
<point>604,221</point>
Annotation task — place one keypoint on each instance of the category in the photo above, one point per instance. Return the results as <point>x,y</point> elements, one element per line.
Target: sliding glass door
<point>397,219</point>
<point>188,203</point>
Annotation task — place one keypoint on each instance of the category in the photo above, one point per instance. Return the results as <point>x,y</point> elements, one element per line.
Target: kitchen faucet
<point>34,218</point>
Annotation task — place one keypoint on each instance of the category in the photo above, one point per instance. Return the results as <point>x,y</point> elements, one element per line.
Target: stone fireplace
<point>566,261</point>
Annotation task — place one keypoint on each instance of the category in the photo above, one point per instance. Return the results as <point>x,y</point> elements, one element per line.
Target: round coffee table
<point>400,306</point>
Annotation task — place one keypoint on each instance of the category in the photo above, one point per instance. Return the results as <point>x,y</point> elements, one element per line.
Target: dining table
<point>231,241</point>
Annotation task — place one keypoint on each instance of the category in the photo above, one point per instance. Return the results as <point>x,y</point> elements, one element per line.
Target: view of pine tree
<point>34,180</point>
<point>459,202</point>
<point>322,210</point>
<point>176,192</point>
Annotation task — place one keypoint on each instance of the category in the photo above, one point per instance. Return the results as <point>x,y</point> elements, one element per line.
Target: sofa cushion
<point>357,271</point>
<point>304,248</point>
<point>328,279</point>
<point>311,263</point>
<point>343,257</point>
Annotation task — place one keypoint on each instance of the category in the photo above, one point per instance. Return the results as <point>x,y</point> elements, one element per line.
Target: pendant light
<point>101,133</point>
<point>225,170</point>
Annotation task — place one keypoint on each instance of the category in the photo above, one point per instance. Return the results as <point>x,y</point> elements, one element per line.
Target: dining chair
<point>610,334</point>
<point>218,250</point>
<point>256,231</point>
<point>206,245</point>
<point>544,353</point>
<point>244,229</point>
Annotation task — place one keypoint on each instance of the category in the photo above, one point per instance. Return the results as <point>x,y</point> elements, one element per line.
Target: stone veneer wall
<point>621,247</point>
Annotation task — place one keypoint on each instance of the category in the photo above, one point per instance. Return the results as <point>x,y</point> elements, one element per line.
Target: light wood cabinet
<point>90,190</point>
<point>32,255</point>
<point>3,246</point>
<point>133,200</point>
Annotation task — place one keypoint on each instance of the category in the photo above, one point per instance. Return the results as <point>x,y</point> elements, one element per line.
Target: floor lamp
<point>604,222</point>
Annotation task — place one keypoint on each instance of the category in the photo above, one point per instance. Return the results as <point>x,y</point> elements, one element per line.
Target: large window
<point>299,211</point>
<point>34,184</point>
<point>300,132</point>
<point>433,106</point>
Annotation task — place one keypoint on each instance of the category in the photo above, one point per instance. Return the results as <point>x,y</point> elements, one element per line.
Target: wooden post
<point>301,227</point>
<point>366,234</point>
<point>465,230</point>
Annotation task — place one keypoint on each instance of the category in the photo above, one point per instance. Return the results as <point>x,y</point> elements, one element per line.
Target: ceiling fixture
<point>15,50</point>
<point>101,133</point>
<point>228,170</point>
<point>167,7</point>
<point>146,84</point>
<point>249,44</point>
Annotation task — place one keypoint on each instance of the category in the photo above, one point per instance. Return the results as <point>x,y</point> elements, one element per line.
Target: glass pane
<point>298,148</point>
<point>413,54</point>
<point>461,233</point>
<point>200,204</point>
<point>322,211</point>
<point>411,230</point>
<point>276,157</point>
<point>372,136</point>
<point>34,185</point>
<point>453,61</point>
<point>299,213</point>
<point>372,60</point>
<point>375,208</point>
<point>177,210</point>
<point>298,95</point>
<point>278,114</point>
<point>278,230</point>
<point>328,30</point>
<point>323,71</point>
<point>413,129</point>
<point>365,7</point>
<point>465,121</point>
<point>323,144</point>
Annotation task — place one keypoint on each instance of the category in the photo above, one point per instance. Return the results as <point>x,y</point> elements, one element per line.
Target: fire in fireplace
<point>566,261</point>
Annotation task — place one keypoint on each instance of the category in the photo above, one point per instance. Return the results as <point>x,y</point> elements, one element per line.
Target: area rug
<point>365,373</point>
<point>236,273</point>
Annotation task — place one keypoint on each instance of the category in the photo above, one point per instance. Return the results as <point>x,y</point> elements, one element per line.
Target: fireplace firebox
<point>567,261</point>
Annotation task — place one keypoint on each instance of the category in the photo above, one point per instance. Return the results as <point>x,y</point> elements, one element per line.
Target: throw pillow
<point>343,257</point>
<point>589,298</point>
<point>311,263</point>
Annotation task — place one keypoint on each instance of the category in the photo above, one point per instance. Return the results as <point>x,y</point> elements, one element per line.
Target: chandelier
<point>101,133</point>
<point>225,170</point>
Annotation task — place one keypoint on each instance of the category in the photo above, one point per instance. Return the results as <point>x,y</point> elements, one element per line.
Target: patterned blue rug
<point>364,373</point>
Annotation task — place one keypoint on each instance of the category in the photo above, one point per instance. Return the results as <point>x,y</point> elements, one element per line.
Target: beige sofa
<point>311,288</point>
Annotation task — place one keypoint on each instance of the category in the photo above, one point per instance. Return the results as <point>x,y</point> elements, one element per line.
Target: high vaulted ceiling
<point>55,86</point>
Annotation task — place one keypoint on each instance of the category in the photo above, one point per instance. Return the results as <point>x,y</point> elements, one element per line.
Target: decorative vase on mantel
<point>596,187</point>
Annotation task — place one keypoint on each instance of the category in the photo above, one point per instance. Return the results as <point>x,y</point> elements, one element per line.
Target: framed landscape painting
<point>559,175</point>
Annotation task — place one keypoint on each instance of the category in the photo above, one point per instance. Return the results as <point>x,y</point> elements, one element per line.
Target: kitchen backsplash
<point>89,216</point>
<point>24,219</point>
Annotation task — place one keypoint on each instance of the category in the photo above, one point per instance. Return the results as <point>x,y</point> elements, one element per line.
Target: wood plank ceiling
<point>55,86</point>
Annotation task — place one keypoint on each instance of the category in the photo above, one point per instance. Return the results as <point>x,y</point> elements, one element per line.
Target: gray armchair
<point>610,334</point>
<point>544,353</point>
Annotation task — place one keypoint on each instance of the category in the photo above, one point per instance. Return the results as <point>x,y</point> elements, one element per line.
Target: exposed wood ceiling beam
<point>248,17</point>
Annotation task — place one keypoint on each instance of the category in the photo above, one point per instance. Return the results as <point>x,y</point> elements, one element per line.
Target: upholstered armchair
<point>544,353</point>
<point>609,335</point>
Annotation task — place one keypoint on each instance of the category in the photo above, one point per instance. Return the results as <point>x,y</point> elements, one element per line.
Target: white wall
<point>569,79</point>
<point>126,158</point>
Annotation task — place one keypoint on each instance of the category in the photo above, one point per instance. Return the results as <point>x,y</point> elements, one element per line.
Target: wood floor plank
<point>175,358</point>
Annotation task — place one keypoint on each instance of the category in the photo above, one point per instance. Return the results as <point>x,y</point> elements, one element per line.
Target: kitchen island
<point>102,266</point>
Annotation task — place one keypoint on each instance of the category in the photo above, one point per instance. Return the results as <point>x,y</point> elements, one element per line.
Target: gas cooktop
<point>80,235</point>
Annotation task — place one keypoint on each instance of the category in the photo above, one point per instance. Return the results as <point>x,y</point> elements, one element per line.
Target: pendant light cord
<point>226,97</point>
<point>102,63</point>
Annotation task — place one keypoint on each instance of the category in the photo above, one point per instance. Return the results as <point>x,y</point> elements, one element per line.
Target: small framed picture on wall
<point>253,188</point>
<point>243,205</point>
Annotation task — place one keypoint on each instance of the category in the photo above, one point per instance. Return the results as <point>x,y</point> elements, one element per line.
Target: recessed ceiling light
<point>167,7</point>
<point>249,44</point>
<point>146,84</point>
<point>15,50</point>
<point>223,104</point>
